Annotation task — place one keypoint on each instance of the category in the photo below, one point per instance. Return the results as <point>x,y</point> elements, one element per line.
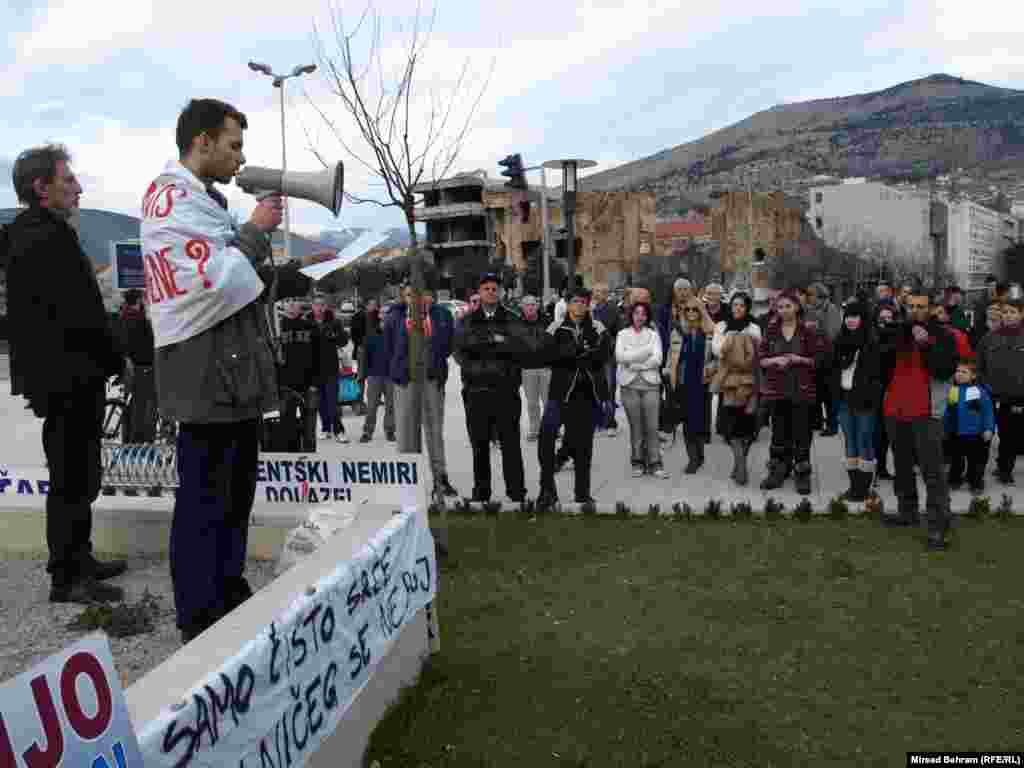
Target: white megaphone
<point>325,187</point>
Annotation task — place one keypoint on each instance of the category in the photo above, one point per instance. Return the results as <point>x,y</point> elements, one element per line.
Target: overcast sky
<point>610,81</point>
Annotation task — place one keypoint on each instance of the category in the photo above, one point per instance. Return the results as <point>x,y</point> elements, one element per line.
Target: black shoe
<point>902,520</point>
<point>883,474</point>
<point>390,437</point>
<point>518,498</point>
<point>586,500</point>
<point>978,488</point>
<point>86,592</point>
<point>103,571</point>
<point>446,488</point>
<point>547,500</point>
<point>1006,478</point>
<point>480,498</point>
<point>829,432</point>
<point>803,484</point>
<point>955,485</point>
<point>365,439</point>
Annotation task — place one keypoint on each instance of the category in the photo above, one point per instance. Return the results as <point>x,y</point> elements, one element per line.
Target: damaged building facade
<point>474,224</point>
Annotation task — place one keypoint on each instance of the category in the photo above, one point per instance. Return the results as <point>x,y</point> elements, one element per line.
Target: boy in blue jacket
<point>970,421</point>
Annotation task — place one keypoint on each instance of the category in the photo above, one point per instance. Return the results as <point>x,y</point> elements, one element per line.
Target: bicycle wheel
<point>113,417</point>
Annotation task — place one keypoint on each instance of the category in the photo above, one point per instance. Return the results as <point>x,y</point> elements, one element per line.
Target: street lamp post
<point>279,83</point>
<point>569,168</point>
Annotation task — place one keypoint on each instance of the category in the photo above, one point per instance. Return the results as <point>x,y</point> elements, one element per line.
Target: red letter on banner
<point>34,756</point>
<point>84,663</point>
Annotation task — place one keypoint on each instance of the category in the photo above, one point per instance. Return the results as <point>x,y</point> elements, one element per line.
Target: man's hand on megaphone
<point>268,214</point>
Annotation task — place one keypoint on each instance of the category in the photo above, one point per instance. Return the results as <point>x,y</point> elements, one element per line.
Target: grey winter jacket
<point>227,373</point>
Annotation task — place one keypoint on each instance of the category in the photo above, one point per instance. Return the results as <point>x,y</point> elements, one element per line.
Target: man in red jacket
<point>924,356</point>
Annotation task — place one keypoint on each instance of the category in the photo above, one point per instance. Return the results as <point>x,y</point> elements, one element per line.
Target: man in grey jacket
<point>215,368</point>
<point>821,314</point>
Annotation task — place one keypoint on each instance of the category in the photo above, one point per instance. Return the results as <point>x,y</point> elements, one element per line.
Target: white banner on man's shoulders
<point>276,701</point>
<point>346,256</point>
<point>68,710</point>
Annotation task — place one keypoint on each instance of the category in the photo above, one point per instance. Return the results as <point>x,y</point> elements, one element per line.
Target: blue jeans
<point>329,406</point>
<point>859,431</point>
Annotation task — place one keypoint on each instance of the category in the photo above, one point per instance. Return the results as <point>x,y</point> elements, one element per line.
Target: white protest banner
<point>285,691</point>
<point>68,710</point>
<point>351,475</point>
<point>357,476</point>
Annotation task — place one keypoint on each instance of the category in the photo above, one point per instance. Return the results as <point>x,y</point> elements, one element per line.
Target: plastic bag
<point>320,525</point>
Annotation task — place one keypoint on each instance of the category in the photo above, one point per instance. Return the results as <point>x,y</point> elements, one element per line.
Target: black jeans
<point>71,441</point>
<point>210,531</point>
<point>967,454</point>
<point>1010,426</point>
<point>920,442</point>
<point>791,432</point>
<point>495,412</point>
<point>578,417</point>
<point>140,421</point>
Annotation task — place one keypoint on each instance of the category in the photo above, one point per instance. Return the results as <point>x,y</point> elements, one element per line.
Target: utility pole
<point>545,247</point>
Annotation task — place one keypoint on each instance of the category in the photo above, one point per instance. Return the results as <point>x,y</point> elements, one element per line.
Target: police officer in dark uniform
<point>299,373</point>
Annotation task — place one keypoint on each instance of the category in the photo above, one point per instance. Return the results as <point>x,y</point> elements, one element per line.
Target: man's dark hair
<point>204,116</point>
<point>1002,287</point>
<point>38,163</point>
<point>133,297</point>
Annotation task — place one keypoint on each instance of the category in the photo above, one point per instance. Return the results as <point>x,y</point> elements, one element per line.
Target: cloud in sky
<point>594,78</point>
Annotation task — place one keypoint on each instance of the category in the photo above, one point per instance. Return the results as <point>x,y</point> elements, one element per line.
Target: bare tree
<point>406,129</point>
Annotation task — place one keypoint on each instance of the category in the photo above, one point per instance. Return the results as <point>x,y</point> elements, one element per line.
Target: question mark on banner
<point>199,250</point>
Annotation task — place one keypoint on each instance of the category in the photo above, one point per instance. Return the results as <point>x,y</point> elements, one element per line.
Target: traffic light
<point>513,165</point>
<point>524,210</point>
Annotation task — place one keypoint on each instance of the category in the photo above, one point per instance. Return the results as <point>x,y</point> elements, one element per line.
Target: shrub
<point>773,509</point>
<point>741,510</point>
<point>713,509</point>
<point>803,511</point>
<point>838,509</point>
<point>122,619</point>
<point>981,507</point>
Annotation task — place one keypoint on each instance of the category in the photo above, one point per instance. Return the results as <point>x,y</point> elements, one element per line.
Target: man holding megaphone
<point>215,367</point>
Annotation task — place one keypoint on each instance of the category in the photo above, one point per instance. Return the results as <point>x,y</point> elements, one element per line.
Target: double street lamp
<point>278,81</point>
<point>569,168</point>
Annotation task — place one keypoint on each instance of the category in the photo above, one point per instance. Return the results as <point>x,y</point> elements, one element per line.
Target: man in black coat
<point>299,374</point>
<point>578,351</point>
<point>491,345</point>
<point>63,349</point>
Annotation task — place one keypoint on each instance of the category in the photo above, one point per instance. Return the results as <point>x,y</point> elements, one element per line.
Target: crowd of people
<point>907,372</point>
<point>903,372</point>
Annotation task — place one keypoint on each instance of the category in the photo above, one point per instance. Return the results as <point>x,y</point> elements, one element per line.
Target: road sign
<point>126,263</point>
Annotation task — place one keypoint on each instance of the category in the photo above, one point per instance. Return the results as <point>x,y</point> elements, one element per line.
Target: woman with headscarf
<point>735,344</point>
<point>855,390</point>
<point>789,354</point>
<point>690,352</point>
<point>887,330</point>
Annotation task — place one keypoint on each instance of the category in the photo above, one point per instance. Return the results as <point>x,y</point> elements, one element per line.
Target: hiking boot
<point>858,488</point>
<point>802,478</point>
<point>86,592</point>
<point>777,474</point>
<point>365,439</point>
<point>103,571</point>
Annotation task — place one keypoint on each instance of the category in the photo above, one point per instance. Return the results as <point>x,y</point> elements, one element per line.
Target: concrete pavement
<point>611,480</point>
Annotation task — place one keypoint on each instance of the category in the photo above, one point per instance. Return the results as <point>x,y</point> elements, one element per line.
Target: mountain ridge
<point>933,124</point>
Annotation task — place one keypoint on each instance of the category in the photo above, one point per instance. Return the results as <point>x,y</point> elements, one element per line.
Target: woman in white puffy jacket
<point>638,354</point>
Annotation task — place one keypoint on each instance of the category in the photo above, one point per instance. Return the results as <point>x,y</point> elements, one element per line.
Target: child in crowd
<point>970,421</point>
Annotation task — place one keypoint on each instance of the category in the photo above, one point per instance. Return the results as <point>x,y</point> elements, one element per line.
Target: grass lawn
<point>608,642</point>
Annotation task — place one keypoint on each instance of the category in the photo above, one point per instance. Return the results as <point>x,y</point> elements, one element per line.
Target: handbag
<point>348,389</point>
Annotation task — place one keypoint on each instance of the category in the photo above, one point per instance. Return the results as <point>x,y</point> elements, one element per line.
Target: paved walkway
<point>612,483</point>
